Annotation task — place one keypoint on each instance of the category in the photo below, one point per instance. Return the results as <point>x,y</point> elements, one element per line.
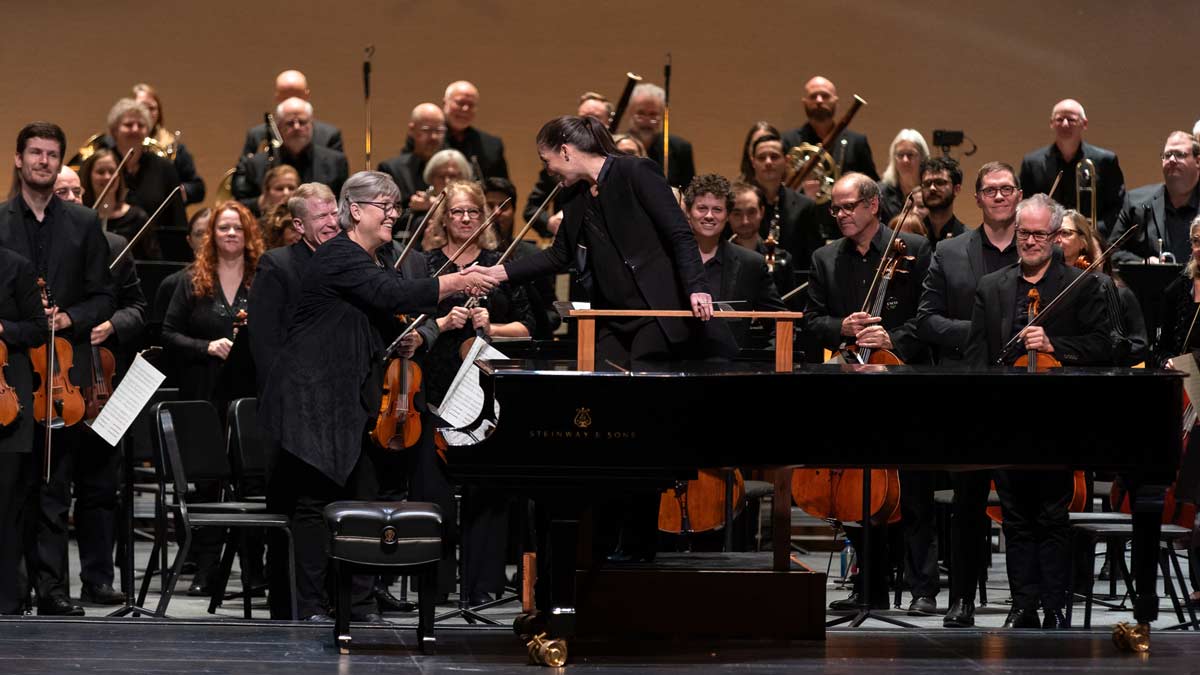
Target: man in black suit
<point>733,272</point>
<point>1164,210</point>
<point>314,163</point>
<point>292,84</point>
<point>838,283</point>
<point>66,245</point>
<point>426,135</point>
<point>276,287</point>
<point>647,107</point>
<point>1034,503</point>
<point>944,323</point>
<point>1040,167</point>
<point>850,150</point>
<point>796,216</point>
<point>459,105</point>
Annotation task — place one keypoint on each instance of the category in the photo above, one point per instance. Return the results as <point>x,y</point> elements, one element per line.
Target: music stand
<point>1148,281</point>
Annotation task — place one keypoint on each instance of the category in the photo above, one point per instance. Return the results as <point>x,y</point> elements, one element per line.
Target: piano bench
<point>385,538</point>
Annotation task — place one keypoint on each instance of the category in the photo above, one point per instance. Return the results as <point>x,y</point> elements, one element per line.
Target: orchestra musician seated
<point>541,291</point>
<point>292,84</point>
<point>1034,503</point>
<point>907,154</point>
<point>116,215</point>
<point>745,221</point>
<point>169,143</point>
<point>460,105</point>
<point>278,185</point>
<point>941,181</point>
<point>791,216</point>
<point>314,163</point>
<point>820,105</point>
<point>148,178</point>
<point>426,135</point>
<point>647,108</point>
<point>1179,304</point>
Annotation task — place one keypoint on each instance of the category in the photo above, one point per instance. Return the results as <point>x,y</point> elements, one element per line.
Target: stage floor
<point>133,647</point>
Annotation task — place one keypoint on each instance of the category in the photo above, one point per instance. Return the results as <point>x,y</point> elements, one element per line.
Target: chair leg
<point>1183,587</point>
<point>1169,583</point>
<point>341,626</point>
<point>1087,602</point>
<point>985,562</point>
<point>173,575</point>
<point>221,582</point>
<point>427,598</point>
<point>151,569</point>
<point>291,560</point>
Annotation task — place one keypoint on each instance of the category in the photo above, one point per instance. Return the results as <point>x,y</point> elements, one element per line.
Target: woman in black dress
<point>116,215</point>
<point>22,326</point>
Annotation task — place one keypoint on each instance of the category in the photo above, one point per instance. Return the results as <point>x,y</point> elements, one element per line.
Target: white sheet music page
<point>464,399</point>
<point>126,403</point>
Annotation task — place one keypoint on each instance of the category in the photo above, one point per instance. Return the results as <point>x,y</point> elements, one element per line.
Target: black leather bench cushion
<point>385,533</point>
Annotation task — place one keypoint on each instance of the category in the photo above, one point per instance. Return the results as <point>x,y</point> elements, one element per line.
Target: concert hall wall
<point>991,69</point>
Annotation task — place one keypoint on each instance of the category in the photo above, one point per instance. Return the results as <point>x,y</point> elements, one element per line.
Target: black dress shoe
<point>58,605</point>
<point>961,615</point>
<point>199,590</point>
<point>319,618</point>
<point>854,602</point>
<point>1055,619</point>
<point>479,598</point>
<point>104,594</point>
<point>390,603</point>
<point>924,606</point>
<point>1022,618</point>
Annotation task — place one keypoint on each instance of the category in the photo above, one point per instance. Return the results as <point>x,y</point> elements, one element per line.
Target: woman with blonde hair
<point>903,173</point>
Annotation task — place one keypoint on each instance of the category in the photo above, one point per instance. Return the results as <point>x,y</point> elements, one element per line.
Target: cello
<point>10,405</point>
<point>698,505</point>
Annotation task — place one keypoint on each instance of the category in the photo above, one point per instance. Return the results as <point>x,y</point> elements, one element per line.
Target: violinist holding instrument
<point>1076,332</point>
<point>66,245</point>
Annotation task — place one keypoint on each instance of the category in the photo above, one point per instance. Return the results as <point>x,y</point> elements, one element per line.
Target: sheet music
<point>464,399</point>
<point>126,403</point>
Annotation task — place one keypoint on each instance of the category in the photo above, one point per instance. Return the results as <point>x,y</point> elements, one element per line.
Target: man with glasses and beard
<point>1034,503</point>
<point>941,181</point>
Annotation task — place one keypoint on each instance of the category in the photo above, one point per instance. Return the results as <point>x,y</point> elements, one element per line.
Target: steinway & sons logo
<point>582,423</point>
<point>583,418</point>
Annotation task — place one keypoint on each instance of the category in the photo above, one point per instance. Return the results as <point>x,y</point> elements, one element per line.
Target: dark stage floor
<point>133,647</point>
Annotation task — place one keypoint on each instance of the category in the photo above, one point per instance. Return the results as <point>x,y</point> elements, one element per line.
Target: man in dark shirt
<point>66,245</point>
<point>460,105</point>
<point>795,215</point>
<point>839,281</point>
<point>1040,167</point>
<point>941,181</point>
<point>944,323</point>
<point>1165,210</point>
<point>745,220</point>
<point>647,107</point>
<point>426,135</point>
<point>850,150</point>
<point>1034,503</point>
<point>292,84</point>
<point>314,163</point>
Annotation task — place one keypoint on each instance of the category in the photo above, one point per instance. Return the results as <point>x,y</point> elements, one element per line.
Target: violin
<point>398,425</point>
<point>699,505</point>
<point>10,405</point>
<point>104,365</point>
<point>1034,361</point>
<point>57,402</point>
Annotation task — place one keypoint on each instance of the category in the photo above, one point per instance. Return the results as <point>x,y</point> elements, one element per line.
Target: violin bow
<point>412,239</point>
<point>112,181</point>
<point>129,247</point>
<point>529,223</point>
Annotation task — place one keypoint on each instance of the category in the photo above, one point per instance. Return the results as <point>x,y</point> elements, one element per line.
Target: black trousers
<point>302,492</point>
<point>427,482</point>
<point>919,521</point>
<point>1037,535</point>
<point>81,459</point>
<point>485,539</point>
<point>16,477</point>
<point>627,343</point>
<point>876,563</point>
<point>969,524</point>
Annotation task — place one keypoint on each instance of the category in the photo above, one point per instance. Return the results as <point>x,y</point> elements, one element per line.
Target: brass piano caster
<point>1133,638</point>
<point>543,651</point>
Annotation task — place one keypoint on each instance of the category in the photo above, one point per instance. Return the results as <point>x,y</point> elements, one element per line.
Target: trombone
<point>1086,181</point>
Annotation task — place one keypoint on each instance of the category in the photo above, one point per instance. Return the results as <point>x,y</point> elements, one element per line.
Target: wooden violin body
<point>837,494</point>
<point>704,498</point>
<point>10,405</point>
<point>104,365</point>
<point>398,425</point>
<point>67,400</point>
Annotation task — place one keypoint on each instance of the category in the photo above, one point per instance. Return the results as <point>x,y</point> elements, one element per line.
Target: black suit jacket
<point>484,147</point>
<point>744,276</point>
<point>948,297</point>
<point>1145,206</point>
<point>406,169</point>
<point>324,135</point>
<point>77,270</point>
<point>681,163</point>
<point>24,327</point>
<point>830,299</point>
<point>649,233</point>
<point>855,155</point>
<point>1079,328</point>
<point>272,302</point>
<point>542,189</point>
<point>1040,167</point>
<point>799,225</point>
<point>320,165</point>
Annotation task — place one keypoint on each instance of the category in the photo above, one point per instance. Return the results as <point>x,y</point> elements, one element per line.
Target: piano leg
<point>1146,503</point>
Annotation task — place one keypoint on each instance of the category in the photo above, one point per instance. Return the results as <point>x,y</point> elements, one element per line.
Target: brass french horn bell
<point>1130,637</point>
<point>826,171</point>
<point>163,143</point>
<point>547,652</point>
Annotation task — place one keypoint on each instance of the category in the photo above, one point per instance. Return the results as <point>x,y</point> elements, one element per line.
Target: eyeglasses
<point>296,122</point>
<point>64,192</point>
<point>1004,191</point>
<point>848,207</point>
<point>1039,237</point>
<point>939,183</point>
<point>653,119</point>
<point>1177,155</point>
<point>434,131</point>
<point>470,213</point>
<point>386,207</point>
<point>1067,120</point>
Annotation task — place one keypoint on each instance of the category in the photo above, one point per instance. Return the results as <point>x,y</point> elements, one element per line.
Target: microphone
<point>370,51</point>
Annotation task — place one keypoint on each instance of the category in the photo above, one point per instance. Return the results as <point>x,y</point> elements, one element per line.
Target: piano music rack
<point>586,350</point>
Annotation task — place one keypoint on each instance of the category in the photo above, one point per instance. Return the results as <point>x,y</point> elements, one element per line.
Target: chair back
<point>198,435</point>
<point>246,452</point>
<point>144,429</point>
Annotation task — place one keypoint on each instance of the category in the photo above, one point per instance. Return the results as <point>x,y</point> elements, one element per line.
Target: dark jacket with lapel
<point>324,166</point>
<point>484,147</point>
<point>324,134</point>
<point>24,327</point>
<point>272,302</point>
<point>1040,167</point>
<point>406,169</point>
<point>744,276</point>
<point>1145,206</point>
<point>948,298</point>
<point>855,155</point>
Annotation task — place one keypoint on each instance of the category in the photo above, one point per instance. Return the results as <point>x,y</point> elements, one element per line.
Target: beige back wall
<point>992,70</point>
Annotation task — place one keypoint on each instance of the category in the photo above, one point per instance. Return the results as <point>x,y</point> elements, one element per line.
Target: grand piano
<point>565,436</point>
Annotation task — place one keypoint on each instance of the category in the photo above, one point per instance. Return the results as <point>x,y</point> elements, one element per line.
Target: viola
<point>104,365</point>
<point>56,401</point>
<point>1034,361</point>
<point>699,505</point>
<point>398,425</point>
<point>10,405</point>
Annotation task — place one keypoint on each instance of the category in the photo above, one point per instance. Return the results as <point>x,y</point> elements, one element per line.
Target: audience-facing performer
<point>745,221</point>
<point>116,215</point>
<point>460,105</point>
<point>907,154</point>
<point>647,108</point>
<point>850,150</point>
<point>167,142</point>
<point>292,84</point>
<point>315,163</point>
<point>795,215</point>
<point>426,135</point>
<point>1163,210</point>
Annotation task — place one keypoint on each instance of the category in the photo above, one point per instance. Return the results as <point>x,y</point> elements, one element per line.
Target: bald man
<point>459,104</point>
<point>293,84</point>
<point>850,149</point>
<point>426,135</point>
<point>315,163</point>
<point>647,112</point>
<point>1068,121</point>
